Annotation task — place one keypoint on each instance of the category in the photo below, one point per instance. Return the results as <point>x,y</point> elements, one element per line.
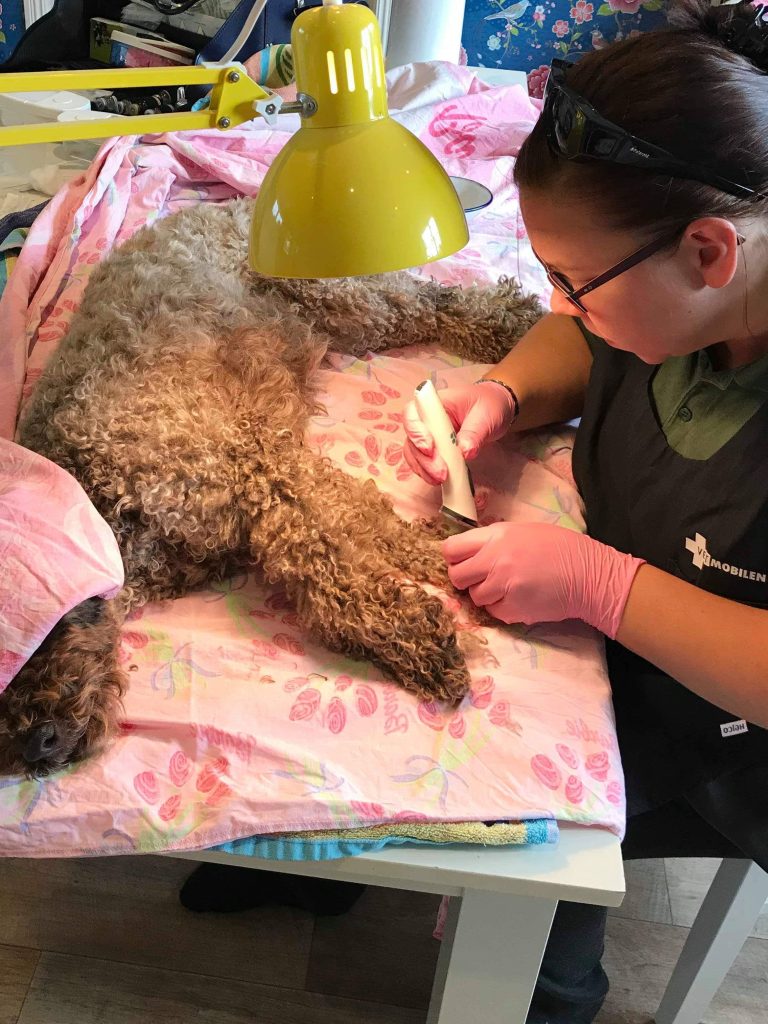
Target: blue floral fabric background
<point>518,34</point>
<point>525,36</point>
<point>11,26</point>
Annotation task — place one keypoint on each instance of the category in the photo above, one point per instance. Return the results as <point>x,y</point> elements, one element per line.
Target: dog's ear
<point>91,612</point>
<point>88,613</point>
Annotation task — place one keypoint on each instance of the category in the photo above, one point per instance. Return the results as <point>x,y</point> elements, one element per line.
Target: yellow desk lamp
<point>352,192</point>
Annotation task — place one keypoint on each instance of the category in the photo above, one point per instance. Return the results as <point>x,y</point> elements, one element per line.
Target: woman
<point>644,189</point>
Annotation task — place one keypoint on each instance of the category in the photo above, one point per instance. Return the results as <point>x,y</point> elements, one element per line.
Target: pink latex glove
<point>480,413</point>
<point>536,572</point>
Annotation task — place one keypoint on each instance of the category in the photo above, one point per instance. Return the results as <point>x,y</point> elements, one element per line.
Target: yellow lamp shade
<point>353,192</point>
<point>369,199</point>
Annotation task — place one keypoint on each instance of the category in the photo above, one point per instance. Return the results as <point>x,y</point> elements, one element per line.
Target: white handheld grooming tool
<point>458,493</point>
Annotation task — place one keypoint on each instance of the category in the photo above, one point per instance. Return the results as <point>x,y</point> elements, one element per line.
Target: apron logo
<point>733,728</point>
<point>702,559</point>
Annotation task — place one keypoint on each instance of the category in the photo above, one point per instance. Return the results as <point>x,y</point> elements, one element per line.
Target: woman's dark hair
<point>689,88</point>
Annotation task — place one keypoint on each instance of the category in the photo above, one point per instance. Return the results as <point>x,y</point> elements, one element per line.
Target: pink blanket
<point>55,550</point>
<point>236,723</point>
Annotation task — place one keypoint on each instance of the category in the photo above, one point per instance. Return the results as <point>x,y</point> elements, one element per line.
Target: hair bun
<point>746,32</point>
<point>740,28</point>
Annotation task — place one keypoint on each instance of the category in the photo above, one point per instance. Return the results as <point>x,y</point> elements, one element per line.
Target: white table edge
<point>584,866</point>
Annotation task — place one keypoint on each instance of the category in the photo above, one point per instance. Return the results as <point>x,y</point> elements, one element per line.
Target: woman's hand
<point>535,572</point>
<point>480,413</point>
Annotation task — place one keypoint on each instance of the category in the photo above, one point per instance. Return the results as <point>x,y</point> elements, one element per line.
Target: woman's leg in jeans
<point>572,984</point>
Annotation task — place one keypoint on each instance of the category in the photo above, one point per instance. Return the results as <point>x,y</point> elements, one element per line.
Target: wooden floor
<point>105,941</point>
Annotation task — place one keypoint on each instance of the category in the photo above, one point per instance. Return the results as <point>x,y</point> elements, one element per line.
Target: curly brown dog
<point>179,399</point>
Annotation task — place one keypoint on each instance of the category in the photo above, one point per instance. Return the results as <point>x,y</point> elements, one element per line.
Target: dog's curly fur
<point>179,399</point>
<point>72,679</point>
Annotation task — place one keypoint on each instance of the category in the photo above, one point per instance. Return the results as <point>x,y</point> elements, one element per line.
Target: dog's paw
<point>450,688</point>
<point>424,655</point>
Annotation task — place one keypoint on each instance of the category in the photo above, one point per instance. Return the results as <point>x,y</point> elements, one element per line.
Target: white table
<point>497,929</point>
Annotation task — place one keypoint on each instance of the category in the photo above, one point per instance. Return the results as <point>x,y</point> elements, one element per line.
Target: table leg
<point>726,918</point>
<point>490,958</point>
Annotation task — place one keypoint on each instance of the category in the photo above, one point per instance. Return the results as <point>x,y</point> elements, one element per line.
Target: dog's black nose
<point>41,743</point>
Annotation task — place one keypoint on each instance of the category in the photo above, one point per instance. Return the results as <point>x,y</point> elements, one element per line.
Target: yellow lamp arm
<point>351,192</point>
<point>233,101</point>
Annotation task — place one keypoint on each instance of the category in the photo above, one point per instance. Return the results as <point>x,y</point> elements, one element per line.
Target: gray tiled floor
<point>105,942</point>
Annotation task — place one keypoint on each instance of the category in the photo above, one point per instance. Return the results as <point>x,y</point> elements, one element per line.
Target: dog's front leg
<point>309,536</point>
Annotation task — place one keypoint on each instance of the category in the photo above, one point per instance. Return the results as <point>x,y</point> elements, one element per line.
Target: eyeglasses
<point>576,131</point>
<point>575,295</point>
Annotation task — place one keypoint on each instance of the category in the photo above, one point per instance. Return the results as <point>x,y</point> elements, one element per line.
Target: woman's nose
<point>559,304</point>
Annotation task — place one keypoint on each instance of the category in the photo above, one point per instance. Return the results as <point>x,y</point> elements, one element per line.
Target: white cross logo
<point>698,549</point>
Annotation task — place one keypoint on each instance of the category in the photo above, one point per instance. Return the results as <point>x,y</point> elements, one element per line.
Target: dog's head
<point>63,705</point>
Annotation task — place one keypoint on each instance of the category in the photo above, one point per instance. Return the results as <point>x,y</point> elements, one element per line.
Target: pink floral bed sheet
<point>236,722</point>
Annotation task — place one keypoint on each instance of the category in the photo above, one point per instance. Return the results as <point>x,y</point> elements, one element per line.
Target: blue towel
<point>14,228</point>
<point>537,832</point>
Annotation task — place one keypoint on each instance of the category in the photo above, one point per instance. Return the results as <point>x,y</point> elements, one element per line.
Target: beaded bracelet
<point>513,396</point>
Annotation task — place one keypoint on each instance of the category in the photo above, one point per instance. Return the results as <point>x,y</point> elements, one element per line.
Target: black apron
<point>707,523</point>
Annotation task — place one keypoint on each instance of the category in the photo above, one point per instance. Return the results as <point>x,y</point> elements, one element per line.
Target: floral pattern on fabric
<point>11,27</point>
<point>237,722</point>
<point>522,35</point>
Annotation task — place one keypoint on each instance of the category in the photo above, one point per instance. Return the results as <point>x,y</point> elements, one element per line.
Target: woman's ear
<point>712,245</point>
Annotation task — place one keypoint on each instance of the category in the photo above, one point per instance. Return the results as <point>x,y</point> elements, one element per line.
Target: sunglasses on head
<point>576,131</point>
